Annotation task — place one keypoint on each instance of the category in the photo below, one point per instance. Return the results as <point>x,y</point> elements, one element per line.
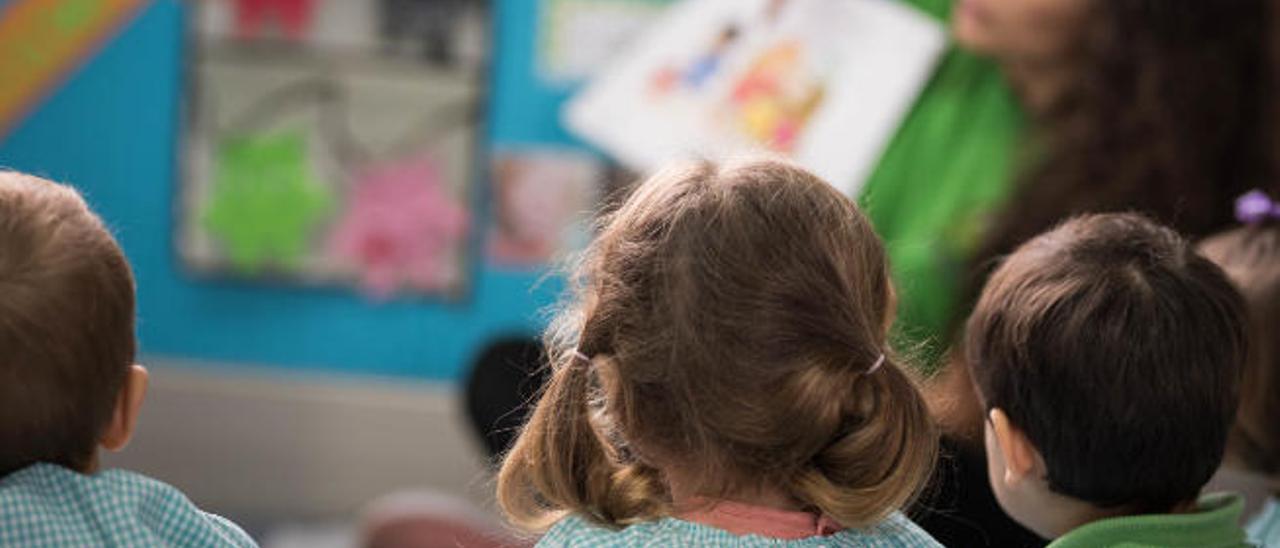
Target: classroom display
<point>576,38</point>
<point>334,142</point>
<point>825,82</point>
<point>543,201</point>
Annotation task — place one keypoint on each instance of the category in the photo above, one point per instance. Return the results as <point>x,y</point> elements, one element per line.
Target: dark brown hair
<point>729,317</point>
<point>1117,350</point>
<point>66,325</point>
<point>1251,258</point>
<point>1167,111</point>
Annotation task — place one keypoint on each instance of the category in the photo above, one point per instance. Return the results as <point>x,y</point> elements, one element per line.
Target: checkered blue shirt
<point>48,505</point>
<point>574,532</point>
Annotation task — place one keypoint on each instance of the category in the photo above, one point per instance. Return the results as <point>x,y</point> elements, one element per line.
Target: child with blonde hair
<point>721,376</point>
<point>1250,255</point>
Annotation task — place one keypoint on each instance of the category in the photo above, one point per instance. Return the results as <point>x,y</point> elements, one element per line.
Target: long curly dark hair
<point>1167,111</point>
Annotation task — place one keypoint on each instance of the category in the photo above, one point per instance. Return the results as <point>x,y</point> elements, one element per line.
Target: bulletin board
<point>576,38</point>
<point>335,142</point>
<point>544,185</point>
<point>118,126</point>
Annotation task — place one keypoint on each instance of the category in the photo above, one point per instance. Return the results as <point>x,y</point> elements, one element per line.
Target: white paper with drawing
<point>825,82</point>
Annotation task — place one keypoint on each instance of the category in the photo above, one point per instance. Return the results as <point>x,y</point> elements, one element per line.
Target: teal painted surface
<point>113,131</point>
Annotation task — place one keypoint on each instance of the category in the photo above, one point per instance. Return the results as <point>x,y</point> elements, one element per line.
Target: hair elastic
<point>578,355</point>
<point>876,366</point>
<point>1257,207</point>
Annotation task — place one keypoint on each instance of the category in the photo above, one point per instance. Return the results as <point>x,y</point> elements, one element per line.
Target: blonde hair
<point>729,319</point>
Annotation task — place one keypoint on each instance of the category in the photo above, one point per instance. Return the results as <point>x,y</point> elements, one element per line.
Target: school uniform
<point>48,505</point>
<point>1214,524</point>
<point>744,526</point>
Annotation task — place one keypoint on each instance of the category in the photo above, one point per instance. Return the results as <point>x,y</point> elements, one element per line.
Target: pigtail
<point>563,463</point>
<point>548,466</point>
<point>882,453</point>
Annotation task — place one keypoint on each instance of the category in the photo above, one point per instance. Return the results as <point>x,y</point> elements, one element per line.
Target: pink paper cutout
<point>294,17</point>
<point>402,228</point>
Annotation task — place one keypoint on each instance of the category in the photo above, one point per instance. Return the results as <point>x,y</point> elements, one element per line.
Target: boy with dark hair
<point>68,385</point>
<point>1108,356</point>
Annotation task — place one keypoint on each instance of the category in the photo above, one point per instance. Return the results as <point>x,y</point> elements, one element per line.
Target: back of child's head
<point>66,325</point>
<point>727,321</point>
<point>1250,255</point>
<point>1117,350</point>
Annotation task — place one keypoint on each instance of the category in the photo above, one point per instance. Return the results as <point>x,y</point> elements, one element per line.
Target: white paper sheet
<point>824,82</point>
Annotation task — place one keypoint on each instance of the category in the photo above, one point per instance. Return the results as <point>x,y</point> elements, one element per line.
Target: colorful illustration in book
<point>822,82</point>
<point>696,73</point>
<point>777,95</point>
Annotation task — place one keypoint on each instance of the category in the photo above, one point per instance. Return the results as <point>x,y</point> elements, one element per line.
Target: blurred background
<point>347,217</point>
<point>333,208</point>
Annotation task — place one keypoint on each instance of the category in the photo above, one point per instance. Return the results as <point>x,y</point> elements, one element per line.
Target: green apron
<point>939,179</point>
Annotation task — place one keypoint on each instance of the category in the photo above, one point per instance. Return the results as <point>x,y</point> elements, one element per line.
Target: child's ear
<point>128,403</point>
<point>1021,458</point>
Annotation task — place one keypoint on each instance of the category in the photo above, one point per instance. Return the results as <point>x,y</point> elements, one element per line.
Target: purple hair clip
<point>1256,207</point>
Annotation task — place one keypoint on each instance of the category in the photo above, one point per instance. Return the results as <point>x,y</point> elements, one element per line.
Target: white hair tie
<point>578,355</point>
<point>876,366</point>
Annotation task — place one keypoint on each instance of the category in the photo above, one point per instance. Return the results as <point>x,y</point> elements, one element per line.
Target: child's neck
<point>767,512</point>
<point>684,494</point>
<point>1067,514</point>
<point>1064,518</point>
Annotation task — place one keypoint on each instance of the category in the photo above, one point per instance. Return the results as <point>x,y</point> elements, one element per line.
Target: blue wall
<point>525,110</point>
<point>113,131</point>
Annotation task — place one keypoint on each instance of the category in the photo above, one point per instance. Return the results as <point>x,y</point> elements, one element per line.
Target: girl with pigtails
<point>720,375</point>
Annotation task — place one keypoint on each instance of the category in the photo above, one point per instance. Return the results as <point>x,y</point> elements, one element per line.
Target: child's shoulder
<point>1265,528</point>
<point>896,531</point>
<point>48,505</point>
<point>576,532</point>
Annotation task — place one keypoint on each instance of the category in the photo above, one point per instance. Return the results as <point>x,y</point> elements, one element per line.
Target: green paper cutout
<point>265,200</point>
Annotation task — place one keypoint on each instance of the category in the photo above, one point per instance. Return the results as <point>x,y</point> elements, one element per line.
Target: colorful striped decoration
<point>42,41</point>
